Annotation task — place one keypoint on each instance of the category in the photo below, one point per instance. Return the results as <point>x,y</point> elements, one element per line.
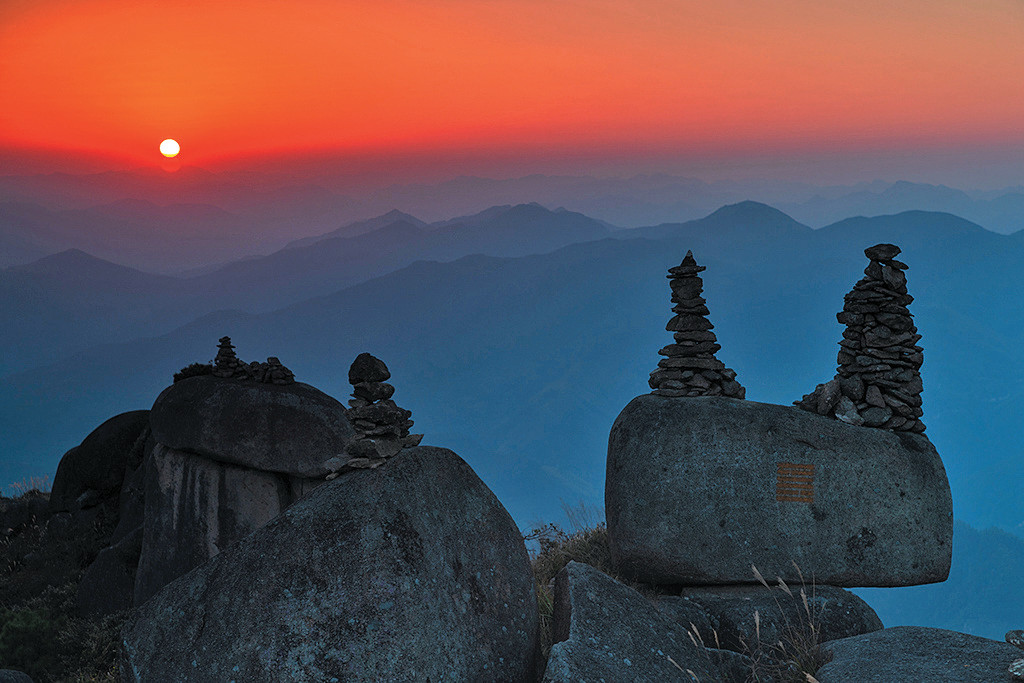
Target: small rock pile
<point>690,367</point>
<point>228,365</point>
<point>382,428</point>
<point>1017,668</point>
<point>878,383</point>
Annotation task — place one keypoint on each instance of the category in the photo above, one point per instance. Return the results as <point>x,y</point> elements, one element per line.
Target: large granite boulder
<point>917,653</point>
<point>834,612</point>
<point>605,630</point>
<point>96,467</point>
<point>411,571</point>
<point>290,428</point>
<point>229,456</point>
<point>196,507</point>
<point>699,489</point>
<point>108,585</point>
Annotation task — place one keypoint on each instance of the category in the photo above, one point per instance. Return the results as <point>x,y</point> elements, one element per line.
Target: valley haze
<point>518,316</point>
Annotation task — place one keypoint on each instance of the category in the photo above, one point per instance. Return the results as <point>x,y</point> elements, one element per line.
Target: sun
<point>170,148</point>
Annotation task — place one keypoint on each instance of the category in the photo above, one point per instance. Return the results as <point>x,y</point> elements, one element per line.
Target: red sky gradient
<point>548,76</point>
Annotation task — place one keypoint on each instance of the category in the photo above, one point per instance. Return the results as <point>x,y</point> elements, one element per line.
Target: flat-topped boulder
<point>699,489</point>
<point>410,571</point>
<point>286,428</point>
<point>917,653</point>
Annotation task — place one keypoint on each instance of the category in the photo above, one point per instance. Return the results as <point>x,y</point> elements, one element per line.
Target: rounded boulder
<point>98,463</point>
<point>290,428</point>
<point>411,571</point>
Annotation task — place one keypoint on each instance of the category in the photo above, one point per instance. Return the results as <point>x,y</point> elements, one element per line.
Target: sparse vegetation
<point>794,658</point>
<point>193,370</point>
<point>41,565</point>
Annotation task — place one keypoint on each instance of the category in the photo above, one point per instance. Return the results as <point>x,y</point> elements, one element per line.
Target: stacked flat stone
<point>271,372</point>
<point>878,383</point>
<point>382,428</point>
<point>227,364</point>
<point>690,367</point>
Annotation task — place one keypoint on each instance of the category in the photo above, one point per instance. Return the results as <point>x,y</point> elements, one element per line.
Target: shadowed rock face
<point>605,630</point>
<point>98,463</point>
<point>698,489</point>
<point>291,429</point>
<point>916,653</point>
<point>411,571</point>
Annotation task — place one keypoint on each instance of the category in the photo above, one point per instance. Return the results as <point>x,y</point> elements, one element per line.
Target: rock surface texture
<point>605,630</point>
<point>229,456</point>
<point>699,489</point>
<point>97,465</point>
<point>878,383</point>
<point>916,653</point>
<point>408,572</point>
<point>1016,670</point>
<point>836,613</point>
<point>690,367</point>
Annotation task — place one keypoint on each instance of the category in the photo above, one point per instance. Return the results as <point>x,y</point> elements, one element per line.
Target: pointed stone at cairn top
<point>690,367</point>
<point>877,383</point>
<point>382,428</point>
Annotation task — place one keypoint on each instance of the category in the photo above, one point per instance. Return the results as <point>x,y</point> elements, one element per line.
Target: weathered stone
<point>697,490</point>
<point>196,507</point>
<point>1016,638</point>
<point>373,391</point>
<point>379,575</point>
<point>367,368</point>
<point>916,653</point>
<point>108,585</point>
<point>1016,670</point>
<point>289,429</point>
<point>882,252</point>
<point>835,613</point>
<point>98,463</point>
<point>604,630</point>
<point>12,676</point>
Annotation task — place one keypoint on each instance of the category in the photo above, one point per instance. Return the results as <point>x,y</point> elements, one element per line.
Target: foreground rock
<point>835,613</point>
<point>411,571</point>
<point>605,630</point>
<point>916,653</point>
<point>698,489</point>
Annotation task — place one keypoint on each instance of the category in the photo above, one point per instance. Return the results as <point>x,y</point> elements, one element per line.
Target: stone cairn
<point>690,367</point>
<point>228,365</point>
<point>878,383</point>
<point>382,428</point>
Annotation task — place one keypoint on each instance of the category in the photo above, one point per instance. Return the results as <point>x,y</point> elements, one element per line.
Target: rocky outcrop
<point>108,585</point>
<point>698,489</point>
<point>878,383</point>
<point>916,653</point>
<point>12,676</point>
<point>229,456</point>
<point>93,471</point>
<point>1016,670</point>
<point>227,365</point>
<point>408,572</point>
<point>291,429</point>
<point>690,367</point>
<point>605,630</point>
<point>834,612</point>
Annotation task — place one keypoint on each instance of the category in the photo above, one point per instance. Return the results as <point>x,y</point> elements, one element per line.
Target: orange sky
<point>226,77</point>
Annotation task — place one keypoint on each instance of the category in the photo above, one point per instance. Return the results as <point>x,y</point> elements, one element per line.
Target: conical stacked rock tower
<point>690,367</point>
<point>878,383</point>
<point>382,428</point>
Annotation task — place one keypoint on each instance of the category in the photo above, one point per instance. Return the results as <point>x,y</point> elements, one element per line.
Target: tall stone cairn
<point>690,367</point>
<point>227,364</point>
<point>878,383</point>
<point>382,428</point>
